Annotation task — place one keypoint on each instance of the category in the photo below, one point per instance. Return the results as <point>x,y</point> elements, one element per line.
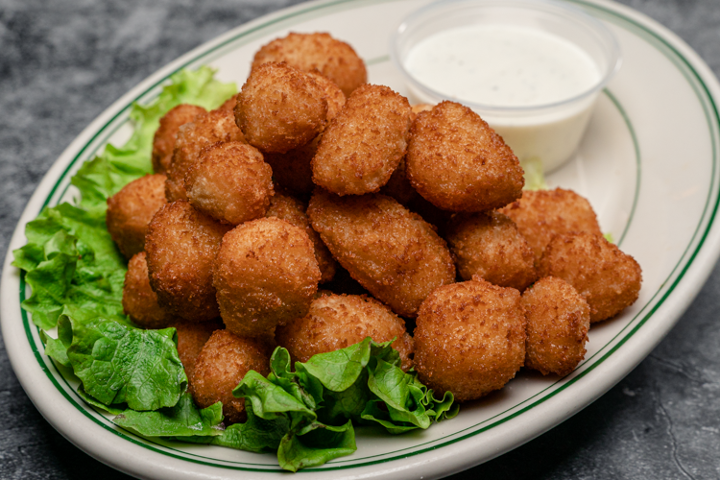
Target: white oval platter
<point>648,163</point>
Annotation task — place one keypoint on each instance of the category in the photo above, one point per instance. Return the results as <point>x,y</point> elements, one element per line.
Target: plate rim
<point>699,265</point>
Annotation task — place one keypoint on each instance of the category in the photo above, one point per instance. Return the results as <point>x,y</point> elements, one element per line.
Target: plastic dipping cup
<point>550,129</point>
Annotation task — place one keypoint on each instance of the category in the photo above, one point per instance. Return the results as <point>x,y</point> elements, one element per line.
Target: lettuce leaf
<point>183,419</point>
<point>534,174</point>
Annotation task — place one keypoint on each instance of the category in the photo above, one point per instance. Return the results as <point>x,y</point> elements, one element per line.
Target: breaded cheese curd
<point>280,108</point>
<point>222,363</point>
<point>265,274</point>
<point>207,129</point>
<point>364,144</point>
<point>138,299</point>
<point>542,214</point>
<point>293,211</point>
<point>230,182</point>
<point>469,338</point>
<point>608,278</point>
<point>338,321</point>
<point>558,320</point>
<point>130,210</point>
<point>489,245</point>
<point>390,251</point>
<point>181,244</point>
<point>458,163</point>
<point>292,170</point>
<point>166,134</point>
<point>333,58</point>
<point>191,338</point>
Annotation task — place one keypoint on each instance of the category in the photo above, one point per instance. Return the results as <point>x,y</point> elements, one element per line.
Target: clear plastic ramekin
<point>549,132</point>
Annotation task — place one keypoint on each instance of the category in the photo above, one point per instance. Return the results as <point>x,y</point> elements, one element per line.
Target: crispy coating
<point>421,107</point>
<point>265,274</point>
<point>469,338</point>
<point>338,321</point>
<point>308,51</point>
<point>280,108</point>
<point>230,182</point>
<point>293,211</point>
<point>221,365</point>
<point>191,338</point>
<point>192,138</point>
<point>130,210</point>
<point>608,278</point>
<point>558,320</point>
<point>138,300</point>
<point>165,135</point>
<point>389,250</point>
<point>542,214</point>
<point>229,104</point>
<point>364,144</point>
<point>458,163</point>
<point>181,244</point>
<point>292,170</point>
<point>489,245</point>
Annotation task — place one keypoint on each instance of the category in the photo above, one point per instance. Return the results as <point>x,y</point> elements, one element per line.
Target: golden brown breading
<point>458,163</point>
<point>130,210</point>
<point>392,252</point>
<point>230,182</point>
<point>138,300</point>
<point>165,135</point>
<point>489,245</point>
<point>292,170</point>
<point>192,138</point>
<point>558,320</point>
<point>293,211</point>
<point>364,144</point>
<point>280,108</point>
<point>542,214</point>
<point>338,321</point>
<point>608,278</point>
<point>181,244</point>
<point>221,365</point>
<point>229,104</point>
<point>470,338</point>
<point>265,274</point>
<point>191,338</point>
<point>308,51</point>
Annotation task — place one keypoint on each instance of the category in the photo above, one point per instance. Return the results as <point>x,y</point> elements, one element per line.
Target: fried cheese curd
<point>542,214</point>
<point>181,244</point>
<point>207,129</point>
<point>293,211</point>
<point>265,274</point>
<point>130,210</point>
<point>191,338</point>
<point>469,338</point>
<point>138,299</point>
<point>338,321</point>
<point>333,58</point>
<point>608,278</point>
<point>166,134</point>
<point>489,245</point>
<point>390,251</point>
<point>364,144</point>
<point>558,320</point>
<point>230,182</point>
<point>292,169</point>
<point>458,163</point>
<point>280,108</point>
<point>223,362</point>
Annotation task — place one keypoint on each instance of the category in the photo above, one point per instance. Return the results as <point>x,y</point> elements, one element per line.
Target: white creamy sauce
<point>504,66</point>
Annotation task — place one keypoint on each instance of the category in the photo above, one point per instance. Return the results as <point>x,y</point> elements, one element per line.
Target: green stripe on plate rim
<point>712,117</point>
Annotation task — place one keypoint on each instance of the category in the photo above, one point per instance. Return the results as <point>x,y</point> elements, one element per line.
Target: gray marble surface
<point>62,62</point>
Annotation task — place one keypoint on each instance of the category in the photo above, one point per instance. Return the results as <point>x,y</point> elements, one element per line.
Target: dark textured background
<point>62,62</point>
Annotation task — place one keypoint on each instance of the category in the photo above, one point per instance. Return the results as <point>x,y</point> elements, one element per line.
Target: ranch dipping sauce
<point>502,66</point>
<point>532,69</point>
